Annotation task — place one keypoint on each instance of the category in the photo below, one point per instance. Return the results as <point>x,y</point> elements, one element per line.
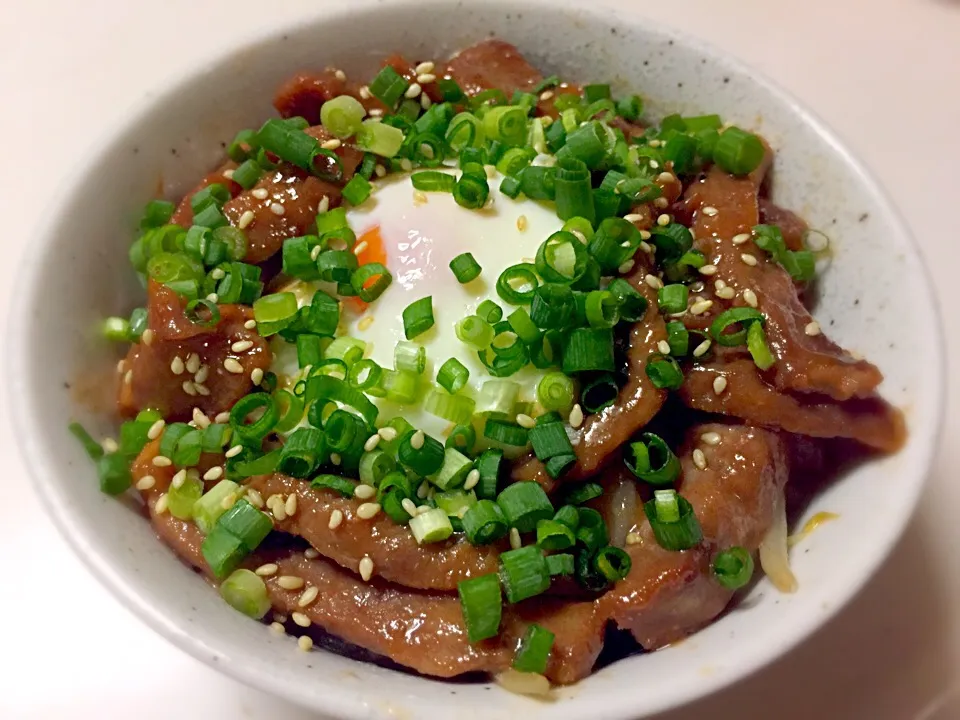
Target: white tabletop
<point>884,73</point>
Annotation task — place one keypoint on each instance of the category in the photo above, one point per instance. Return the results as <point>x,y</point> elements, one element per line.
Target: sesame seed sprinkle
<point>300,619</point>
<point>660,202</point>
<point>179,478</point>
<point>522,223</point>
<point>276,628</point>
<point>653,281</point>
<point>426,78</point>
<point>750,297</point>
<point>710,211</point>
<point>290,582</point>
<point>413,91</point>
<point>711,438</point>
<point>309,595</point>
<point>360,247</point>
<point>250,324</point>
<point>340,75</point>
<point>410,507</point>
<point>324,204</point>
<point>406,165</point>
<point>365,92</point>
<point>654,165</point>
<point>546,95</point>
<point>663,220</point>
<point>232,365</point>
<point>423,490</point>
<point>719,384</point>
<point>193,363</point>
<point>311,554</point>
<point>364,491</point>
<point>708,270</point>
<point>154,432</point>
<point>387,433</point>
<point>160,507</point>
<point>726,293</point>
<point>176,366</point>
<point>256,376</point>
<point>424,67</point>
<point>368,511</point>
<point>234,451</point>
<point>416,442</point>
<point>366,568</point>
<point>576,416</point>
<point>741,238</point>
<point>199,419</point>
<point>634,538</point>
<point>701,349</point>
<point>336,517</point>
<point>699,459</point>
<point>214,473</point>
<point>146,482</point>
<point>626,267</point>
<point>228,174</point>
<point>700,307</point>
<point>277,209</point>
<point>515,542</point>
<point>254,498</point>
<point>260,193</point>
<point>525,421</point>
<point>812,328</point>
<point>335,458</point>
<point>473,477</point>
<point>664,347</point>
<point>365,323</point>
<point>228,501</point>
<point>162,461</point>
<point>147,337</point>
<point>749,259</point>
<point>245,219</point>
<point>315,252</point>
<point>189,388</point>
<point>665,177</point>
<point>331,144</point>
<point>267,570</point>
<point>380,170</point>
<point>305,643</point>
<point>371,444</point>
<point>242,345</point>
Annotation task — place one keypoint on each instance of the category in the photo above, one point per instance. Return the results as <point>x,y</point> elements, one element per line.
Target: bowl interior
<point>63,371</point>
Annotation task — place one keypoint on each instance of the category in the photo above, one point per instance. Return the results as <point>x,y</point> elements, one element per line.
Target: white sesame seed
<point>156,429</point>
<point>701,349</point>
<point>228,501</point>
<point>365,92</point>
<point>179,478</point>
<point>201,389</point>
<point>665,177</point>
<point>719,384</point>
<point>645,234</point>
<point>300,619</point>
<point>228,174</point>
<point>290,582</point>
<point>277,628</point>
<point>546,95</point>
<point>626,267</point>
<point>522,223</point>
<point>633,217</point>
<point>426,78</point>
<point>423,509</point>
<point>409,506</point>
<point>360,247</point>
<point>416,442</point>
<point>576,416</point>
<point>655,143</point>
<point>161,505</point>
<point>406,165</point>
<point>335,458</point>
<point>664,347</point>
<point>277,209</point>
<point>120,365</point>
<point>176,366</point>
<point>245,219</point>
<point>719,284</point>
<point>340,75</point>
<point>214,473</point>
<point>700,307</point>
<point>379,170</point>
<point>366,568</point>
<point>309,595</point>
<point>311,553</point>
<point>324,204</point>
<point>699,459</point>
<point>413,91</point>
<point>260,193</point>
<point>162,461</point>
<point>234,451</point>
<point>364,491</point>
<point>336,517</point>
<point>242,345</point>
<point>711,438</point>
<point>750,297</point>
<point>315,252</point>
<point>331,144</point>
<point>213,297</point>
<point>305,643</point>
<point>423,490</point>
<point>525,421</point>
<point>660,202</point>
<point>147,337</point>
<point>371,444</point>
<point>726,293</point>
<point>749,259</point>
<point>708,270</point>
<point>193,363</point>
<point>653,281</point>
<point>365,323</point>
<point>267,570</point>
<point>515,542</point>
<point>368,511</point>
<point>250,324</point>
<point>233,365</point>
<point>254,498</point>
<point>646,247</point>
<point>199,419</point>
<point>710,211</point>
<point>473,477</point>
<point>654,164</point>
<point>146,482</point>
<point>663,220</point>
<point>634,538</point>
<point>812,328</point>
<point>419,197</point>
<point>741,238</point>
<point>424,67</point>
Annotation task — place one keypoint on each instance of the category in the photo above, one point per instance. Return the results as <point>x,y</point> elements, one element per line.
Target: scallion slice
<point>524,504</point>
<point>738,152</point>
<point>418,317</point>
<point>482,605</point>
<point>553,535</point>
<point>757,345</point>
<point>524,573</point>
<point>465,268</point>
<point>245,591</point>
<point>599,392</point>
<point>426,458</point>
<point>613,563</point>
<point>334,482</point>
<point>672,520</point>
<point>433,181</point>
<point>484,523</point>
<point>534,651</point>
<point>664,372</point>
<point>410,357</point>
<point>505,433</point>
<point>733,568</point>
<point>342,116</point>
<point>452,375</point>
<point>431,526</point>
<point>588,349</point>
<point>742,316</point>
<point>555,391</point>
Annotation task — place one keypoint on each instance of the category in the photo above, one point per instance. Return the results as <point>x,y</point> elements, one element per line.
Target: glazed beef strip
<point>638,401</point>
<point>158,372</point>
<point>396,555</point>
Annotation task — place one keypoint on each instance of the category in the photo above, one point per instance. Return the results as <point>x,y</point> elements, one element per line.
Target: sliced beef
<point>396,555</point>
<point>183,215</point>
<point>724,206</point>
<point>871,420</point>
<point>151,368</point>
<point>669,595</point>
<point>636,404</point>
<point>305,93</point>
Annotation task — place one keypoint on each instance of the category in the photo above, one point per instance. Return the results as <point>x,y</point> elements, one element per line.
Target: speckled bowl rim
<point>42,469</point>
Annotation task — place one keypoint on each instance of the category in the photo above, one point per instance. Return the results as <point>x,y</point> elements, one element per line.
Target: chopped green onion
<point>379,138</point>
<point>652,460</point>
<point>257,430</point>
<point>484,523</point>
<point>410,357</point>
<point>246,523</point>
<point>534,651</point>
<point>464,131</point>
<point>588,349</point>
<point>347,349</point>
<point>342,116</point>
<point>471,191</point>
<point>400,386</point>
<point>678,338</point>
<point>334,482</point>
<point>592,530</point>
<point>553,535</point>
<point>452,375</point>
<point>561,258</point>
<point>757,345</point>
<point>388,86</point>
<point>455,408</point>
<point>560,564</point>
<point>462,437</point>
<point>672,298</point>
<point>599,392</point>
<point>524,328</point>
<point>423,460</point>
<point>569,515</point>
<point>418,317</point>
<point>113,471</point>
<point>506,123</point>
<point>671,241</point>
<point>274,312</point>
<point>555,391</point>
<point>630,108</point>
<point>301,453</point>
<point>482,606</point>
<point>664,372</point>
<point>208,509</point>
<point>489,464</point>
<point>248,174</point>
<point>505,433</point>
<point>327,388</point>
<point>364,375</point>
<point>573,193</point>
<point>357,190</point>
<point>245,591</point>
<point>550,440</point>
<point>733,568</point>
<point>742,316</point>
<point>738,152</point>
<point>453,471</point>
<point>433,181</point>
<point>582,493</point>
<point>587,144</point>
<point>672,520</point>
<point>465,268</point>
<point>375,466</point>
<point>524,573</point>
<point>362,277</point>
<point>516,284</point>
<point>613,563</point>
<point>188,449</point>
<point>296,147</point>
<point>290,408</point>
<point>552,307</point>
<point>525,504</point>
<point>538,183</point>
<point>602,309</point>
<point>614,242</point>
<point>156,214</point>
<point>93,449</point>
<point>222,552</point>
<point>309,351</point>
<point>474,331</point>
<point>431,526</point>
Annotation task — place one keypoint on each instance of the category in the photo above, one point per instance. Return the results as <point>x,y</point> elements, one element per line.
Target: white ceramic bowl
<point>876,299</point>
